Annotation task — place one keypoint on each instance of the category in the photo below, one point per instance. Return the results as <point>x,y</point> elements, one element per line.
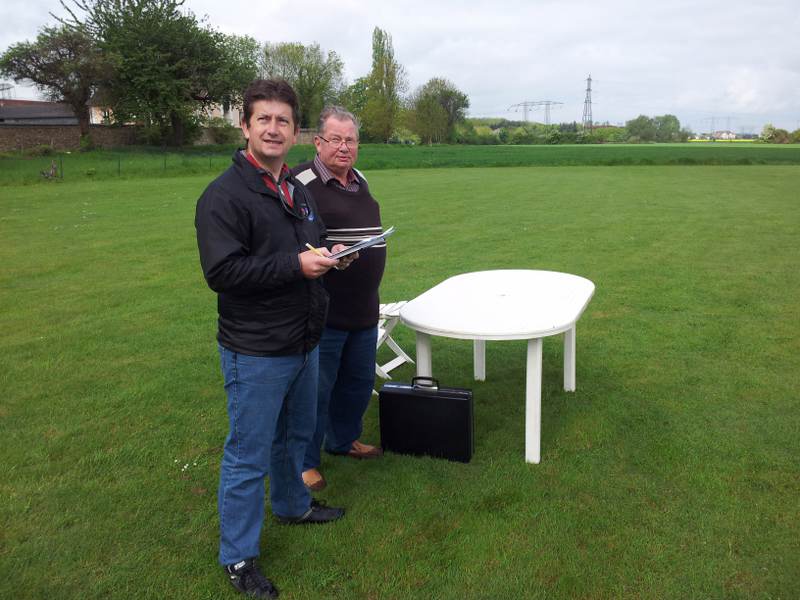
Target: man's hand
<point>313,265</point>
<point>344,262</point>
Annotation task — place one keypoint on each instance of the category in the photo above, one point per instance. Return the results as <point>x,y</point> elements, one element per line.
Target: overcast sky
<point>735,63</point>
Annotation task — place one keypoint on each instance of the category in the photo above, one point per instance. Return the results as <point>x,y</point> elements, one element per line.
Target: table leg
<point>533,402</point>
<point>479,359</point>
<point>424,368</point>
<point>569,359</point>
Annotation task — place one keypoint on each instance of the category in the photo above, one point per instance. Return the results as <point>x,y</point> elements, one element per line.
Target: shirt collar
<point>262,171</point>
<point>325,173</point>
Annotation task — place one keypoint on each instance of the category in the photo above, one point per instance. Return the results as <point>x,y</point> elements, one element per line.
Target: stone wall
<point>304,136</point>
<point>61,137</point>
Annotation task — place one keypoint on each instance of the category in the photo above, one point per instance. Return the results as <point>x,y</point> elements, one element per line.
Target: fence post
<point>61,165</point>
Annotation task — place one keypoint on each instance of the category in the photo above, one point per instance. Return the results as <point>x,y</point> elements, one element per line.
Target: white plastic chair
<point>389,317</point>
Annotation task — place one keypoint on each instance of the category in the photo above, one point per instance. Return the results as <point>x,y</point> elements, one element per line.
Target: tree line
<point>664,128</point>
<point>154,64</point>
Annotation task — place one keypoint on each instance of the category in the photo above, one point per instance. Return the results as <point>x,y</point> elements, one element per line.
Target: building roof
<point>15,102</point>
<point>27,111</point>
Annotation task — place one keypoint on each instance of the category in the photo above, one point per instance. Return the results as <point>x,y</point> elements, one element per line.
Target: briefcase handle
<point>425,382</point>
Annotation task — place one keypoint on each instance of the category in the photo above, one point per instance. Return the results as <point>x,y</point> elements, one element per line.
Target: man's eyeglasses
<point>337,142</point>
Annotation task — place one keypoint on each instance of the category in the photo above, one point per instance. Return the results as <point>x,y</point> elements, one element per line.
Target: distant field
<point>670,473</point>
<point>132,162</point>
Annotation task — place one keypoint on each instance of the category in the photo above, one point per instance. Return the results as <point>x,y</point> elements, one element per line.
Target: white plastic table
<point>504,305</point>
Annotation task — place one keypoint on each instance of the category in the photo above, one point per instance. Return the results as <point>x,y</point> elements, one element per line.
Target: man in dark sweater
<point>348,345</point>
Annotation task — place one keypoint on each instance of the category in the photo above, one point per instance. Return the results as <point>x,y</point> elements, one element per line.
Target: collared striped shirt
<point>353,184</point>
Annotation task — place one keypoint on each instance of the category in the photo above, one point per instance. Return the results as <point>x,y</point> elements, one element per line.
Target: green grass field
<point>672,471</point>
<point>126,163</point>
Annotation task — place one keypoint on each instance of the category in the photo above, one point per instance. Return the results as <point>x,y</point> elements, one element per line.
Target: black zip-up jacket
<point>249,241</point>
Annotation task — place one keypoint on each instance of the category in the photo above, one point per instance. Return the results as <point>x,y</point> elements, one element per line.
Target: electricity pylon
<point>587,106</point>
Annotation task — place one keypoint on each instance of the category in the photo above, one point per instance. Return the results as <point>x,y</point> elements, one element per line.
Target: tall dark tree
<point>65,64</point>
<point>386,83</point>
<point>315,76</point>
<point>354,97</point>
<point>164,61</point>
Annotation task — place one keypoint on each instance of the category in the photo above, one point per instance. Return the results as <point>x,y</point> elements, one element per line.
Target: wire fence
<point>111,165</point>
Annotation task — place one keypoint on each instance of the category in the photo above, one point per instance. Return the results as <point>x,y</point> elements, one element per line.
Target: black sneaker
<point>318,512</point>
<point>246,578</point>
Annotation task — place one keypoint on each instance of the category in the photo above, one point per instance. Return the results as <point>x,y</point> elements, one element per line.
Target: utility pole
<point>713,121</point>
<point>533,105</point>
<point>587,106</point>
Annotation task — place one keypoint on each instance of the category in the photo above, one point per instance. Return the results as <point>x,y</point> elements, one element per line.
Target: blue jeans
<point>346,377</point>
<point>272,415</point>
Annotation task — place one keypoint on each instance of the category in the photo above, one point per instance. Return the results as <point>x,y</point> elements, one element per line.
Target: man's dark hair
<point>270,89</point>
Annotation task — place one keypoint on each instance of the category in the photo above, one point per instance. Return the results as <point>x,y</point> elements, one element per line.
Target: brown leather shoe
<point>314,480</point>
<point>359,450</point>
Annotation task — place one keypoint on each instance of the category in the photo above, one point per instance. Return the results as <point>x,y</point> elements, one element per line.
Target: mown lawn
<point>672,471</point>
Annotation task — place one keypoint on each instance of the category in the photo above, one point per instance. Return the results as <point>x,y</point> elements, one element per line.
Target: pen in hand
<point>318,253</point>
<point>315,250</point>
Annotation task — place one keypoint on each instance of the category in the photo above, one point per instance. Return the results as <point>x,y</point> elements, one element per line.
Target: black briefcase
<point>423,418</point>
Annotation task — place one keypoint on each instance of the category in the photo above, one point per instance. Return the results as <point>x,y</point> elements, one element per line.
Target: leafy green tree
<point>663,128</point>
<point>601,135</point>
<point>165,63</point>
<point>485,135</point>
<point>774,135</point>
<point>427,119</point>
<point>385,84</point>
<point>354,97</point>
<point>316,77</point>
<point>65,64</point>
<point>641,129</point>
<point>794,137</point>
<point>523,135</point>
<point>767,132</point>
<point>238,67</point>
<point>668,128</point>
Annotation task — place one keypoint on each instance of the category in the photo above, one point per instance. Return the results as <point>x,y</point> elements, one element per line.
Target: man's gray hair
<point>336,112</point>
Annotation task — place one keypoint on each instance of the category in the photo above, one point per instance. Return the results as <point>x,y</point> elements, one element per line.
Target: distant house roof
<point>15,102</point>
<point>32,112</point>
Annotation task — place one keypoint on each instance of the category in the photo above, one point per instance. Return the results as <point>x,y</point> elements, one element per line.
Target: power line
<point>534,105</point>
<point>713,126</point>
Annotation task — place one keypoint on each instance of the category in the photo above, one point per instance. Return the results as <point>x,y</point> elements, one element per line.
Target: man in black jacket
<point>253,223</point>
